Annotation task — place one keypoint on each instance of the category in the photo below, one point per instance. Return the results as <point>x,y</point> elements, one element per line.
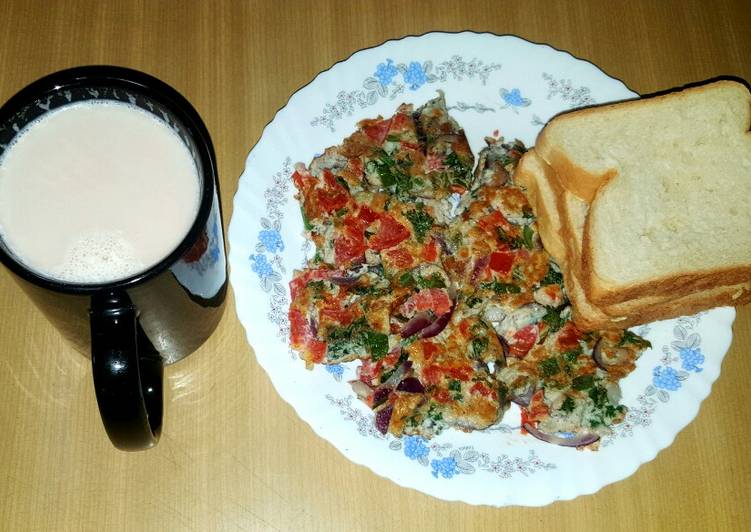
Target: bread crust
<point>588,187</point>
<point>547,197</point>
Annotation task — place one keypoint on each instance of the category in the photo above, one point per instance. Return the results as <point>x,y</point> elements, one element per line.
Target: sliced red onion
<point>600,360</point>
<point>344,279</point>
<point>438,325</point>
<point>522,397</point>
<point>397,376</point>
<point>442,243</point>
<point>597,355</point>
<point>581,440</point>
<point>410,385</point>
<point>383,418</point>
<point>380,395</point>
<point>504,346</point>
<point>313,326</point>
<point>480,265</point>
<point>418,322</point>
<point>361,389</point>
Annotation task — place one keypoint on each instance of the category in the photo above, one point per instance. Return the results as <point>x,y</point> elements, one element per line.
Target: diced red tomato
<point>333,196</point>
<point>536,410</point>
<point>490,222</point>
<point>334,313</point>
<point>295,287</point>
<point>300,281</point>
<point>377,130</point>
<point>401,122</point>
<point>312,349</point>
<point>393,357</point>
<point>316,350</point>
<point>434,299</point>
<point>464,327</point>
<point>429,349</point>
<point>523,340</point>
<point>502,261</point>
<point>399,258</point>
<point>480,388</point>
<point>298,327</point>
<point>303,181</point>
<point>355,166</point>
<point>431,374</point>
<point>442,396</point>
<point>568,337</point>
<point>390,233</point>
<point>348,248</point>
<point>367,214</point>
<point>410,145</point>
<point>460,373</point>
<point>430,251</point>
<point>369,371</point>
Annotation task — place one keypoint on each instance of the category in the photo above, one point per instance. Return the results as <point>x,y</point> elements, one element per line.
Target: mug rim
<point>153,89</point>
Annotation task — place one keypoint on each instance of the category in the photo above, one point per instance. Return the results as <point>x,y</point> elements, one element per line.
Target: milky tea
<point>95,192</point>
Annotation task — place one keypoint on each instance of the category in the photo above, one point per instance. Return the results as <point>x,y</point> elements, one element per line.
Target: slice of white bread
<point>667,180</point>
<point>560,220</point>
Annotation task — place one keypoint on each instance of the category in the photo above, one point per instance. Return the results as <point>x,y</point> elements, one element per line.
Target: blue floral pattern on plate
<point>498,466</point>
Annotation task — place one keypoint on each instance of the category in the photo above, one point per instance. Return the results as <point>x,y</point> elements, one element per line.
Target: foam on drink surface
<point>95,192</point>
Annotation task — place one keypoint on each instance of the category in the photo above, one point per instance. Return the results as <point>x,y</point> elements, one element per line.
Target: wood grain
<point>234,456</point>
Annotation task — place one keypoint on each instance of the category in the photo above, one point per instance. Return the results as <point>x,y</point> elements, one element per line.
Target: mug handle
<point>127,373</point>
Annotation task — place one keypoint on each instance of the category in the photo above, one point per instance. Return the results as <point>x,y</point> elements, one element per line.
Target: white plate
<point>491,83</point>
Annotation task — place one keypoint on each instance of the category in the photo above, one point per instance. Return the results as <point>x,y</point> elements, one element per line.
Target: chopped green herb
<point>631,338</point>
<point>553,320</point>
<point>421,221</point>
<point>517,274</point>
<point>572,356</point>
<point>406,279</point>
<point>455,386</point>
<point>462,172</point>
<point>305,222</point>
<point>317,288</point>
<point>434,281</point>
<point>568,405</point>
<point>434,414</point>
<point>341,212</point>
<point>514,242</point>
<point>582,382</point>
<point>478,346</point>
<point>549,367</point>
<point>473,300</point>
<point>368,289</point>
<point>342,182</point>
<point>357,338</point>
<point>478,328</point>
<point>376,343</point>
<point>501,288</point>
<point>552,277</point>
<point>410,340</point>
<point>528,237</point>
<point>392,138</point>
<point>393,178</point>
<point>599,396</point>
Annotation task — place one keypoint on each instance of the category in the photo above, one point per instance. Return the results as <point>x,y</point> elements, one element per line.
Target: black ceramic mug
<point>132,327</point>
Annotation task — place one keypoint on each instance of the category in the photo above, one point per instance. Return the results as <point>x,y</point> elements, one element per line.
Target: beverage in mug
<point>111,221</point>
<point>95,192</point>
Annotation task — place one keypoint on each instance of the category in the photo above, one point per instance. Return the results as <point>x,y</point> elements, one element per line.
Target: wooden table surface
<point>233,455</point>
